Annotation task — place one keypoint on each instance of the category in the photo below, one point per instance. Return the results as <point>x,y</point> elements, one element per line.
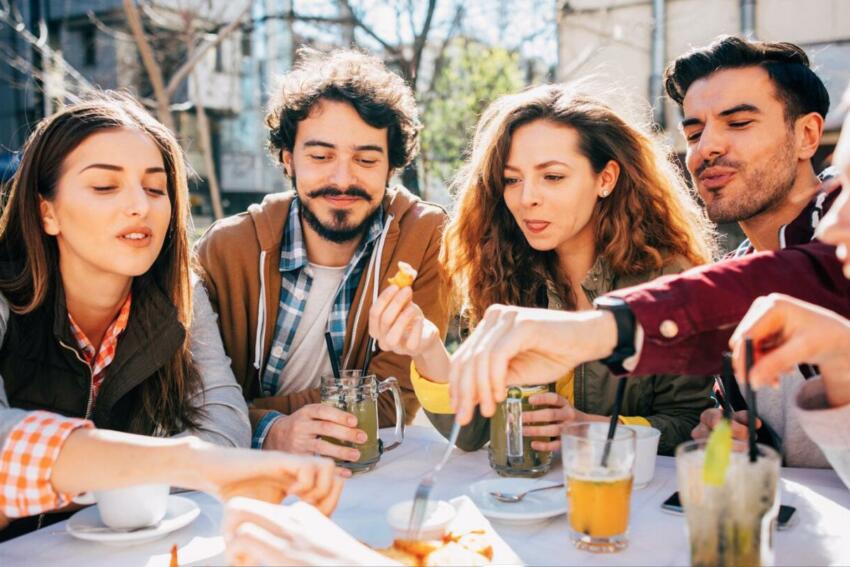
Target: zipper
<point>90,403</point>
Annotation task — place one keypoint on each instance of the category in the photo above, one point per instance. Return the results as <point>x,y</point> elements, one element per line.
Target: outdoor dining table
<point>820,534</point>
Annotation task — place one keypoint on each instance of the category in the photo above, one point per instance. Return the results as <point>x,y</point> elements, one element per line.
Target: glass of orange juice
<point>599,496</point>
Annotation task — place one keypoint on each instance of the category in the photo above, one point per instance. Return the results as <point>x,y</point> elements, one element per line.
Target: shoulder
<point>673,265</point>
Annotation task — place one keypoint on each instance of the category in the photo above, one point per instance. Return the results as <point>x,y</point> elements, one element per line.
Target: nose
<point>138,201</point>
<point>342,175</point>
<point>712,143</point>
<point>530,196</point>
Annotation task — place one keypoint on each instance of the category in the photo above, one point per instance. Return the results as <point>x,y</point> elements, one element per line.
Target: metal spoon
<point>514,498</point>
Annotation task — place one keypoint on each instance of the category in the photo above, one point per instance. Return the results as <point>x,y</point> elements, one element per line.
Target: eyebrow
<point>543,165</point>
<point>364,148</point>
<point>110,167</point>
<point>744,107</point>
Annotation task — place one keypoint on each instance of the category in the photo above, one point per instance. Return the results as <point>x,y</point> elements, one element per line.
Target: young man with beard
<point>753,116</point>
<point>312,260</point>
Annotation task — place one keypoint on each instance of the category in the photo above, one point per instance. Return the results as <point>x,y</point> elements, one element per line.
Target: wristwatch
<point>625,320</point>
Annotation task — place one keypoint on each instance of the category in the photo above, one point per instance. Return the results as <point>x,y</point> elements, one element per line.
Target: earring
<point>605,193</point>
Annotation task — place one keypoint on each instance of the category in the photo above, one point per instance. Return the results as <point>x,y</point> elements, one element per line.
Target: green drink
<point>357,394</point>
<point>510,452</point>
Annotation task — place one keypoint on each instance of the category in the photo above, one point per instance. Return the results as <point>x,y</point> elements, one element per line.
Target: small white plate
<point>533,508</point>
<point>86,524</point>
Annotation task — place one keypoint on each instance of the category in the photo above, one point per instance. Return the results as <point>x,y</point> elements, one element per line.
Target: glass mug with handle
<point>357,394</point>
<point>510,452</point>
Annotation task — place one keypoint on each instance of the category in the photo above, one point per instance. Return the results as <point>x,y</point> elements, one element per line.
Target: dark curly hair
<point>797,86</point>
<point>380,97</point>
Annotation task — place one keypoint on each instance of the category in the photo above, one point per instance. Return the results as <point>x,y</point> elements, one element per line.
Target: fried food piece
<point>418,548</point>
<point>173,562</point>
<point>404,276</point>
<point>477,542</point>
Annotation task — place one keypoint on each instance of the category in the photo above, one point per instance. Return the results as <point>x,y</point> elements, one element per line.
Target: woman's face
<point>550,187</point>
<point>111,209</point>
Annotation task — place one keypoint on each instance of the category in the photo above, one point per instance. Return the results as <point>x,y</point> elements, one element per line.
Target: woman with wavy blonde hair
<point>562,200</point>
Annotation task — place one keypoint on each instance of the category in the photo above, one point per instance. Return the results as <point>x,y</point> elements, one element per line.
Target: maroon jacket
<point>688,318</point>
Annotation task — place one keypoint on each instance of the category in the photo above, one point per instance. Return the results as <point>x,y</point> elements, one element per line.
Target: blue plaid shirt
<point>296,280</point>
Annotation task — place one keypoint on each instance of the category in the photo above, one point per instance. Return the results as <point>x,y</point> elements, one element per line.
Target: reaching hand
<point>301,432</point>
<point>712,416</point>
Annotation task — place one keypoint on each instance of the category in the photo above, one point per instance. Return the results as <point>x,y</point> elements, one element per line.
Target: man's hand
<point>300,432</point>
<point>786,332</point>
<point>712,416</point>
<point>514,345</point>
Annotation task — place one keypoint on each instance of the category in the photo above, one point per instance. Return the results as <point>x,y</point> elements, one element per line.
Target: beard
<point>761,188</point>
<point>341,228</point>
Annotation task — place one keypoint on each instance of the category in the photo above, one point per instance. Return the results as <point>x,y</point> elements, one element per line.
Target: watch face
<point>608,302</point>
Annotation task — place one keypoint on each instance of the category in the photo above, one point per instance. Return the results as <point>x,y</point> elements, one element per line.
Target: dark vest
<point>42,366</point>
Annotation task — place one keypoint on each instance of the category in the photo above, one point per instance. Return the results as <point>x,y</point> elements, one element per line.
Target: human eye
<point>319,157</point>
<point>507,181</point>
<point>554,177</point>
<point>740,123</point>
<point>156,191</point>
<point>693,136</point>
<point>104,188</point>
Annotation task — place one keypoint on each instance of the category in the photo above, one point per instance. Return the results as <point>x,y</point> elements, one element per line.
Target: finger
<point>396,333</point>
<point>240,510</point>
<point>329,413</point>
<point>315,480</point>
<point>338,452</point>
<point>739,431</point>
<point>553,445</point>
<point>252,545</point>
<point>378,308</point>
<point>548,399</point>
<point>328,504</point>
<point>551,430</point>
<point>742,418</point>
<point>394,308</point>
<point>766,316</point>
<point>710,417</point>
<point>547,415</point>
<point>700,432</point>
<point>335,431</point>
<point>784,358</point>
<point>502,347</point>
<point>413,342</point>
<point>342,472</point>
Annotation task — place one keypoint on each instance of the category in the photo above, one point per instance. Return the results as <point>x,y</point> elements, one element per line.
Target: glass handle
<point>513,423</point>
<point>392,384</point>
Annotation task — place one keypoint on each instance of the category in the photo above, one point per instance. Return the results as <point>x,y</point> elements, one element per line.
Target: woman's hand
<point>399,326</point>
<point>549,421</point>
<point>257,533</point>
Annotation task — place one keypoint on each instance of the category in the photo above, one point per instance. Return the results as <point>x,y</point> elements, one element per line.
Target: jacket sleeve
<point>678,402</point>
<point>225,419</point>
<point>687,319</point>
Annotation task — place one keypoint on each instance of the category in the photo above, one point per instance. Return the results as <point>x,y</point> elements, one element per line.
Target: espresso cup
<point>132,507</point>
<point>646,449</point>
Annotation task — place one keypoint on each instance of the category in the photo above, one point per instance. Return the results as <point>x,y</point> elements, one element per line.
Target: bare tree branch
<point>154,71</point>
<point>108,30</point>
<point>358,21</point>
<point>440,59</point>
<point>198,54</point>
<point>419,41</point>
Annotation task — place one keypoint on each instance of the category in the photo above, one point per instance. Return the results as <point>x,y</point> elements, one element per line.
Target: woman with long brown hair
<point>102,330</point>
<point>562,200</point>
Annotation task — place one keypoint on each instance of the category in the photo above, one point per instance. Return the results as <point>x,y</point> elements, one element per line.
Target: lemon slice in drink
<point>718,451</point>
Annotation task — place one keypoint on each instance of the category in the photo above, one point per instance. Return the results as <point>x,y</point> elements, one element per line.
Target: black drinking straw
<point>332,355</point>
<point>370,346</point>
<point>726,377</point>
<point>751,400</point>
<point>615,418</point>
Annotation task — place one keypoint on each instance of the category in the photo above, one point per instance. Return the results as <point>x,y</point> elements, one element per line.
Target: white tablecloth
<point>820,535</point>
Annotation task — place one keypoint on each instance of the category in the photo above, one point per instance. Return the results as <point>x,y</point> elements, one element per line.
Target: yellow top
<point>434,396</point>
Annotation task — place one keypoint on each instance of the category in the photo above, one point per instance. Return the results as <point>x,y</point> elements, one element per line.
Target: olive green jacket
<point>672,404</point>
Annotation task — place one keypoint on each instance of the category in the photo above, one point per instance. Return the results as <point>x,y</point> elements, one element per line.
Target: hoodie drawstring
<point>261,315</point>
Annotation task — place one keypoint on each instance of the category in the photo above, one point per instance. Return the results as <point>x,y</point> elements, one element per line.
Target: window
<point>88,42</point>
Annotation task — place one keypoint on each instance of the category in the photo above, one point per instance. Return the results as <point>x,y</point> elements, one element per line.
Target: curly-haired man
<point>312,260</point>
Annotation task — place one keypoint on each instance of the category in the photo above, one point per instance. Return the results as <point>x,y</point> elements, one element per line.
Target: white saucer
<point>86,524</point>
<point>533,508</point>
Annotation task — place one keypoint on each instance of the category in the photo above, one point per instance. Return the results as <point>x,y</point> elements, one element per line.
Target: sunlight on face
<point>111,209</point>
<point>550,187</point>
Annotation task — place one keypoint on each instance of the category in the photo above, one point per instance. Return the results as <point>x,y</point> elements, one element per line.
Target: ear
<point>607,179</point>
<point>48,217</point>
<point>286,160</point>
<point>809,132</point>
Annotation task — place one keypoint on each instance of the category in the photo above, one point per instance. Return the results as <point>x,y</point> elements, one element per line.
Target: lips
<point>137,236</point>
<point>716,177</point>
<point>341,200</point>
<point>536,226</point>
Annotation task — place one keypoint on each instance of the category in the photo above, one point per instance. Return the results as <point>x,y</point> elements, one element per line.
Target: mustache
<point>719,162</point>
<point>352,191</point>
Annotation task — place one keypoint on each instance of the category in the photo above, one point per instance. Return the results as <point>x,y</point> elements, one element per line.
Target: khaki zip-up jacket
<point>239,262</point>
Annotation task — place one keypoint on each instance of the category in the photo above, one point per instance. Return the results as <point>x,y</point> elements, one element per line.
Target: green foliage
<point>472,76</point>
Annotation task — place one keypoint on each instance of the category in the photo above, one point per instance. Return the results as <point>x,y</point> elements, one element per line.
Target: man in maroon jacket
<point>753,116</point>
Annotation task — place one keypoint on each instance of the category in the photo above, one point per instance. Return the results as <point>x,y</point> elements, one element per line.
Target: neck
<point>326,253</point>
<point>763,229</point>
<point>575,259</point>
<point>94,300</point>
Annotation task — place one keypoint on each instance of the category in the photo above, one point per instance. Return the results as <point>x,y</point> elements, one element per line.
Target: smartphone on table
<point>784,521</point>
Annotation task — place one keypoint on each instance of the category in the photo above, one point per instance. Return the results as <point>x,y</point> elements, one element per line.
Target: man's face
<point>340,168</point>
<point>741,150</point>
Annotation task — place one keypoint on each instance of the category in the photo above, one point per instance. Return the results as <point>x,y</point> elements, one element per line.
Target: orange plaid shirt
<point>32,447</point>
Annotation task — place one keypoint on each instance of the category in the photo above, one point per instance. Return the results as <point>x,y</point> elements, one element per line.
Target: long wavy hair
<point>649,219</point>
<point>24,244</point>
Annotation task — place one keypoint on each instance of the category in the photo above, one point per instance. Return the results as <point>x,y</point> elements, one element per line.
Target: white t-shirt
<point>308,357</point>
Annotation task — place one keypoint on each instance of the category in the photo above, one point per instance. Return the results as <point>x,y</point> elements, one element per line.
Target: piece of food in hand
<point>404,276</point>
<point>718,452</point>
